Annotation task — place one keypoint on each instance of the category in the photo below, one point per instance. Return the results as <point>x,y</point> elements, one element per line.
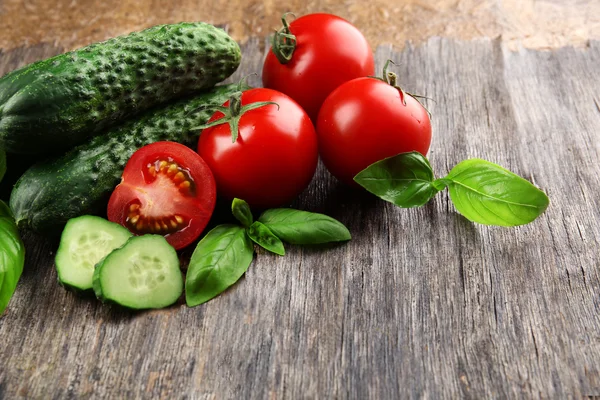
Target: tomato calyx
<point>392,79</point>
<point>284,42</point>
<point>234,111</point>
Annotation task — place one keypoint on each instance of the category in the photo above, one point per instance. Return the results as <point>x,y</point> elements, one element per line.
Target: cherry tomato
<point>274,156</point>
<point>366,120</point>
<point>327,52</point>
<point>166,189</point>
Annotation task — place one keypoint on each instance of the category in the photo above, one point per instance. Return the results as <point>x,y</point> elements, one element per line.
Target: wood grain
<point>420,304</point>
<point>530,23</point>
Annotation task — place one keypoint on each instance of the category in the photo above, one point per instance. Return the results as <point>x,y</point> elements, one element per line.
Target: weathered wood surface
<point>421,303</point>
<point>532,23</point>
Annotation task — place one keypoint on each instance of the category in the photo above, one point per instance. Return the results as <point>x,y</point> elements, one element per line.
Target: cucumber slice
<point>144,273</point>
<point>84,242</point>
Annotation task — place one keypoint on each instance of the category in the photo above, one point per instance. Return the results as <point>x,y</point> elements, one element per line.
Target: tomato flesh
<point>274,157</point>
<point>366,120</point>
<point>329,52</point>
<point>166,189</point>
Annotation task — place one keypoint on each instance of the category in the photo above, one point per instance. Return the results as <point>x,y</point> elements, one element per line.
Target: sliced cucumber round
<point>84,242</point>
<point>142,274</point>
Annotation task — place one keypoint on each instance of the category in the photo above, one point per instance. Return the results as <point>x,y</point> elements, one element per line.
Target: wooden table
<point>421,303</point>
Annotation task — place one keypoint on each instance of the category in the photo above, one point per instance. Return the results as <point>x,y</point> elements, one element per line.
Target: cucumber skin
<point>81,181</point>
<point>96,279</point>
<point>54,104</point>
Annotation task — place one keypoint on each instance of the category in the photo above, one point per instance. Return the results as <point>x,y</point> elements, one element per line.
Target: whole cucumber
<point>80,182</point>
<point>57,103</point>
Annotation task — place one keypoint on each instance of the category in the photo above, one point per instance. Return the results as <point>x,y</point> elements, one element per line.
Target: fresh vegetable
<point>312,56</point>
<point>481,191</point>
<point>81,181</point>
<point>166,189</point>
<point>85,241</point>
<point>225,253</point>
<point>142,274</point>
<point>264,153</point>
<point>219,261</point>
<point>302,227</point>
<point>54,104</point>
<point>12,256</point>
<point>16,165</point>
<point>366,120</point>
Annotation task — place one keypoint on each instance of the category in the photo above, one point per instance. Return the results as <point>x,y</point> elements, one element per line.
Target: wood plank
<point>421,303</point>
<point>534,24</point>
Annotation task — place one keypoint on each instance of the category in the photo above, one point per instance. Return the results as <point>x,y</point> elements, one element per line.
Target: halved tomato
<point>166,189</point>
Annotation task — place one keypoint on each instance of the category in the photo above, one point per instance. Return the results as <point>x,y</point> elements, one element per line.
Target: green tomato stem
<point>284,42</point>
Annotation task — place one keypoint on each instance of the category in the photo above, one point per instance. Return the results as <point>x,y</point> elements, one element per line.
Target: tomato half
<point>274,157</point>
<point>166,189</point>
<point>328,52</point>
<point>366,120</point>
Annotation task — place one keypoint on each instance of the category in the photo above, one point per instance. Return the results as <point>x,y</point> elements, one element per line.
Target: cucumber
<point>16,165</point>
<point>85,241</point>
<point>142,274</point>
<point>81,181</point>
<point>54,104</point>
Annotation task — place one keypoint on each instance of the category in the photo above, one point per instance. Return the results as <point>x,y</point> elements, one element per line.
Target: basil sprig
<point>481,191</point>
<point>225,253</point>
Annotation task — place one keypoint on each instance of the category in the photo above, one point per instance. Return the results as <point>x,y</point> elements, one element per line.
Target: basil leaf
<point>303,227</point>
<point>488,194</point>
<point>2,164</point>
<point>405,180</point>
<point>219,261</point>
<point>12,256</point>
<point>262,236</point>
<point>241,211</point>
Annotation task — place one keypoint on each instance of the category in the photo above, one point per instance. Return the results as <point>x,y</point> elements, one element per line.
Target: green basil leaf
<point>241,211</point>
<point>219,261</point>
<point>262,236</point>
<point>303,227</point>
<point>488,194</point>
<point>405,180</point>
<point>2,164</point>
<point>12,256</point>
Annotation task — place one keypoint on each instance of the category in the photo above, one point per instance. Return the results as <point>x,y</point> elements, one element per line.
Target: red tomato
<point>366,120</point>
<point>166,189</point>
<point>274,157</point>
<point>328,52</point>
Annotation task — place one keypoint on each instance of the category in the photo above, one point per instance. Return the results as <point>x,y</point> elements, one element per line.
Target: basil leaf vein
<point>262,236</point>
<point>219,260</point>
<point>405,180</point>
<point>488,194</point>
<point>303,227</point>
